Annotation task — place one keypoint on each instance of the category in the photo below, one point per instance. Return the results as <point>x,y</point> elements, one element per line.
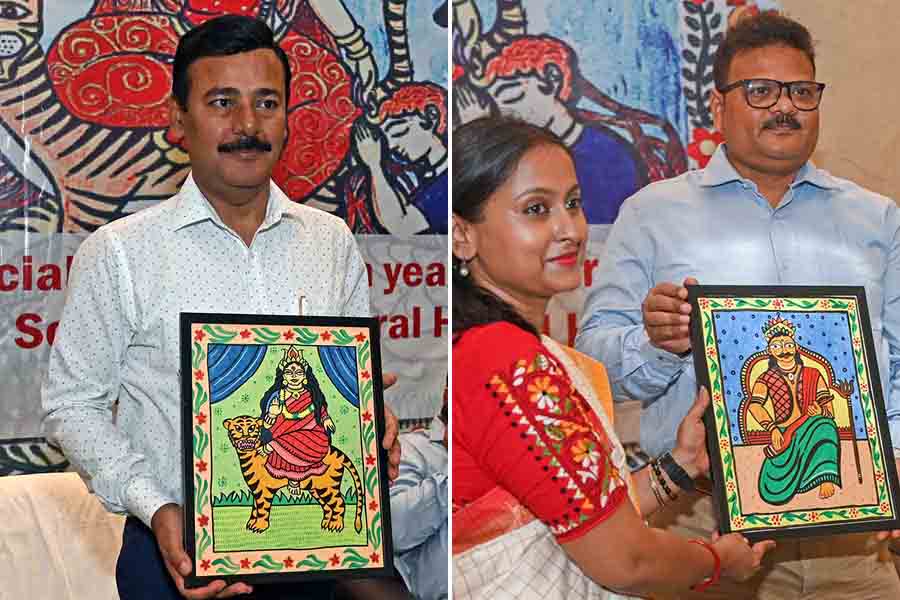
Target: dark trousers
<point>142,575</point>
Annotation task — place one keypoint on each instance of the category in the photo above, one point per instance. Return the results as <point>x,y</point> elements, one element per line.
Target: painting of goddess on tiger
<point>284,436</point>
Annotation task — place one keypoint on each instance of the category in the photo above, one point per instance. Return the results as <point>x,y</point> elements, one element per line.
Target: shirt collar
<point>719,171</point>
<point>192,207</point>
<point>808,173</point>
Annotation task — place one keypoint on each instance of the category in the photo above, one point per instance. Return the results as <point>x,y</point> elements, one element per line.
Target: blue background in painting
<point>739,334</point>
<point>631,54</point>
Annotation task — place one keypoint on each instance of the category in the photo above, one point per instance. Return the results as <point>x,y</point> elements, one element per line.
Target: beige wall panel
<point>858,56</point>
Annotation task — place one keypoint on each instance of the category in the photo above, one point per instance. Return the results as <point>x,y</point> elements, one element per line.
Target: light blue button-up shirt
<point>419,499</point>
<point>714,225</point>
<point>118,337</point>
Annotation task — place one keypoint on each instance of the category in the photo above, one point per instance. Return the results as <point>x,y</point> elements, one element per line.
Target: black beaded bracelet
<point>662,480</point>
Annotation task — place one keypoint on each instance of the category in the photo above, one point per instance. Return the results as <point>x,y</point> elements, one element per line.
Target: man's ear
<point>176,118</point>
<point>717,109</point>
<point>465,239</point>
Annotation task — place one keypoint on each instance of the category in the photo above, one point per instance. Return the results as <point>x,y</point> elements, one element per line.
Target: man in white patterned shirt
<point>229,242</point>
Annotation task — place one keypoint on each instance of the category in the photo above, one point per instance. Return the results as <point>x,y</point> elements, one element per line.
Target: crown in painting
<point>293,354</point>
<point>777,326</point>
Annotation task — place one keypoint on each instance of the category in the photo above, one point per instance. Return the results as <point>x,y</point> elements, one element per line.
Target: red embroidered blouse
<point>519,423</point>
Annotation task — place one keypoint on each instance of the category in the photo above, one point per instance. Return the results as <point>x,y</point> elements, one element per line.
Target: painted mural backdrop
<point>85,140</point>
<point>625,84</point>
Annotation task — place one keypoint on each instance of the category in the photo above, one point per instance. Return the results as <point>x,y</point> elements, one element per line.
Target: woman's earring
<point>463,269</point>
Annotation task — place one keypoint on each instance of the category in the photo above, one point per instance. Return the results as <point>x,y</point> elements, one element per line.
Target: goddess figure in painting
<point>299,429</point>
<point>804,452</point>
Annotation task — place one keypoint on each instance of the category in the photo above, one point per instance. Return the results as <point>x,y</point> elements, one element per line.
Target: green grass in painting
<point>290,528</point>
<point>281,498</point>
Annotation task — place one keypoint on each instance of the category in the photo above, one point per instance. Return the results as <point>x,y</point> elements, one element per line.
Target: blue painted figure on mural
<point>537,78</point>
<point>406,159</point>
<point>398,181</point>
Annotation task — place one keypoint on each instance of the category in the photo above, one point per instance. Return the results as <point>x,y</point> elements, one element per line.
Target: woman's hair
<point>535,54</point>
<point>486,152</point>
<point>414,98</point>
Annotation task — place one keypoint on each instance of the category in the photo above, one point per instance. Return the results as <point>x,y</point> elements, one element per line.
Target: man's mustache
<point>782,120</point>
<point>244,144</point>
<point>784,355</point>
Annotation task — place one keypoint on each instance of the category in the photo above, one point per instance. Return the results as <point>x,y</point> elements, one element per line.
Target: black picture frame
<point>229,383</point>
<point>833,413</point>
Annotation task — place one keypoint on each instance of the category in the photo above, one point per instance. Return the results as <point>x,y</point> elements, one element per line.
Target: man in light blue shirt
<point>760,213</point>
<point>419,500</point>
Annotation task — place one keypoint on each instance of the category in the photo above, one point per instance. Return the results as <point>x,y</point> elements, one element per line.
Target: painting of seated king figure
<point>790,397</point>
<point>797,431</point>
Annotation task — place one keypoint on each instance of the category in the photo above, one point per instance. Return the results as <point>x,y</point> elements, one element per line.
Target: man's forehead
<point>244,71</point>
<point>773,61</point>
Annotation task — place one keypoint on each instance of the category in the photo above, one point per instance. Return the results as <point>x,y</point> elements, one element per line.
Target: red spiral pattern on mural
<point>111,71</point>
<point>321,115</point>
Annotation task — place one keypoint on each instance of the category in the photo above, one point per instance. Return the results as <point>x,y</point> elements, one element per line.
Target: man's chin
<point>248,184</point>
<point>794,155</point>
<point>251,176</point>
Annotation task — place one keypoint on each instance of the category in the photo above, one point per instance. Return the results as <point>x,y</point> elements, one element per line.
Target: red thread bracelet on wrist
<point>717,567</point>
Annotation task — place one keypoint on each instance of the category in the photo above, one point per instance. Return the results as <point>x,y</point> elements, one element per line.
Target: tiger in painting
<point>244,433</point>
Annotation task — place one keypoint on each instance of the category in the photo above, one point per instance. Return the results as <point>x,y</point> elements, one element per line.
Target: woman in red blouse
<point>543,503</point>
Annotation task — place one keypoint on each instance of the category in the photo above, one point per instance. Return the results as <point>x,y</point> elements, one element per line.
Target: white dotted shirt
<point>118,337</point>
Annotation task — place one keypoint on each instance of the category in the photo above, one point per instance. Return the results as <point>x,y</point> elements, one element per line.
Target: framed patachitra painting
<point>797,432</point>
<point>284,474</point>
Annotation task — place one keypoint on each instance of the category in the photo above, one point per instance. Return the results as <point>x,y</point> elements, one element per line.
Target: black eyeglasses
<point>765,93</point>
